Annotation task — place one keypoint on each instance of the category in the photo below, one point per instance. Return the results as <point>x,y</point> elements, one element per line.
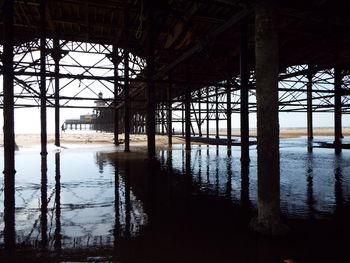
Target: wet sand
<point>96,139</point>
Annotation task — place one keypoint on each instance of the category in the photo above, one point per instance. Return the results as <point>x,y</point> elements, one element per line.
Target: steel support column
<point>266,52</point>
<point>199,113</point>
<point>169,115</point>
<point>43,78</point>
<point>115,61</point>
<point>337,109</point>
<point>126,87</point>
<point>150,92</point>
<point>56,57</point>
<point>310,135</point>
<point>207,108</point>
<point>217,112</point>
<point>244,72</point>
<point>9,133</point>
<point>188,110</point>
<point>229,114</point>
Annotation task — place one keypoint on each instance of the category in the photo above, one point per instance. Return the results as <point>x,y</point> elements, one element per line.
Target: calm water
<point>198,203</point>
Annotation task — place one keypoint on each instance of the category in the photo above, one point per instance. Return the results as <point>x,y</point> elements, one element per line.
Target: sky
<point>27,120</point>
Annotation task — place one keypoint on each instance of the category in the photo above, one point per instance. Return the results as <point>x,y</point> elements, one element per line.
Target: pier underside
<point>176,68</point>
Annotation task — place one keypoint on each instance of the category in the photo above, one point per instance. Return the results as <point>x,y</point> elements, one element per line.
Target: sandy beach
<point>93,139</point>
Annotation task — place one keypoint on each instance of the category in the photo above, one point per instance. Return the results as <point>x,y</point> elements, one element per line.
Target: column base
<point>270,226</point>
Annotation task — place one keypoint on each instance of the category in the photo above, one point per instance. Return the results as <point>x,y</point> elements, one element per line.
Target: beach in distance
<point>92,138</point>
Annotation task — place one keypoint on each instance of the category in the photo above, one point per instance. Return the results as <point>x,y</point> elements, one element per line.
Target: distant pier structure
<point>86,121</point>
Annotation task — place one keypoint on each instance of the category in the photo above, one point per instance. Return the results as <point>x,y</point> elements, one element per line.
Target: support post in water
<point>244,72</point>
<point>56,55</point>
<point>188,110</point>
<point>267,68</point>
<point>43,77</point>
<point>115,61</point>
<point>150,93</point>
<point>310,135</point>
<point>169,115</point>
<point>9,133</point>
<point>337,109</point>
<point>229,114</point>
<point>126,87</point>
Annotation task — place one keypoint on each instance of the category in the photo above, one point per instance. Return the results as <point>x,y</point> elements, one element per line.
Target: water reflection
<point>338,188</point>
<point>245,201</point>
<point>199,195</point>
<point>57,235</point>
<point>310,189</point>
<point>44,203</point>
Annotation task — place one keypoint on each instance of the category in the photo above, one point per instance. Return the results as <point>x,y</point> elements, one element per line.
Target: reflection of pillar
<point>116,206</point>
<point>217,159</point>
<point>43,217</point>
<point>245,202</point>
<point>9,134</point>
<point>338,189</point>
<point>266,52</point>
<point>43,77</point>
<point>57,237</point>
<point>310,189</point>
<point>199,165</point>
<point>229,175</point>
<point>208,165</point>
<point>127,200</point>
<point>337,109</point>
<point>244,93</point>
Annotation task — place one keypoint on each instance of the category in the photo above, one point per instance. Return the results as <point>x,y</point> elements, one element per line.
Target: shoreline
<point>96,139</point>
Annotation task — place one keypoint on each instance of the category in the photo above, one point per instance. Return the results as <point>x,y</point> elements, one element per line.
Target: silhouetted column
<point>170,119</point>
<point>229,114</point>
<point>200,113</point>
<point>217,112</point>
<point>56,57</point>
<point>115,61</point>
<point>207,108</point>
<point>337,109</point>
<point>266,52</point>
<point>9,133</point>
<point>310,135</point>
<point>126,101</point>
<point>183,119</point>
<point>244,92</point>
<point>188,111</point>
<point>43,77</point>
<point>151,113</point>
